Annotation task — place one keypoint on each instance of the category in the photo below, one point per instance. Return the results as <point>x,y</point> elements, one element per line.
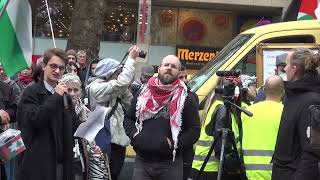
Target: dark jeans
<point>158,170</point>
<point>187,162</point>
<point>59,171</point>
<point>118,154</point>
<point>2,173</point>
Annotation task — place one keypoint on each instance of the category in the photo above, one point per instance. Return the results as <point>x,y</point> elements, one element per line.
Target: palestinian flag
<point>15,35</point>
<point>307,10</point>
<point>251,58</point>
<point>12,148</point>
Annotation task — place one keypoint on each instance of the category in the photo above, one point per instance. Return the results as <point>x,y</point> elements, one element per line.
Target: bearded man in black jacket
<point>162,122</point>
<point>294,157</point>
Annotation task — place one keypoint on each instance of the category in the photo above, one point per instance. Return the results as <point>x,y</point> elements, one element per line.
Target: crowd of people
<point>158,115</point>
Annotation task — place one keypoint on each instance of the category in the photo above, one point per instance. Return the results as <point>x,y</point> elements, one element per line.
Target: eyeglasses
<point>56,66</point>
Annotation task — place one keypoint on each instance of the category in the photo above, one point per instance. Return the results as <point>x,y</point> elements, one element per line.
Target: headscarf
<point>70,78</point>
<point>155,96</point>
<point>106,67</point>
<point>79,107</point>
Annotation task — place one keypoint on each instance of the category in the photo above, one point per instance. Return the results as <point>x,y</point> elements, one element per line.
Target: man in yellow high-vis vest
<point>260,131</point>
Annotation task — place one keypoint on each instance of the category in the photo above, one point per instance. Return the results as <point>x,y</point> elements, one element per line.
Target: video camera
<point>227,89</point>
<point>142,54</point>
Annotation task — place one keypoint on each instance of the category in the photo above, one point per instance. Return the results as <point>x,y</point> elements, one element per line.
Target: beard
<point>167,78</point>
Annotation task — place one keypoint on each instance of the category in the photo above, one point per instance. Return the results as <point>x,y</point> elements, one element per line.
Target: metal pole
<point>34,34</point>
<point>4,8</point>
<point>54,42</point>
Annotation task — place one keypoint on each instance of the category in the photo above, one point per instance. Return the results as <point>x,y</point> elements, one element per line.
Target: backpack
<point>313,131</point>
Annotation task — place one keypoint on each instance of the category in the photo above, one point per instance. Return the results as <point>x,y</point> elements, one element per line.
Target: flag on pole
<point>307,10</point>
<point>15,35</point>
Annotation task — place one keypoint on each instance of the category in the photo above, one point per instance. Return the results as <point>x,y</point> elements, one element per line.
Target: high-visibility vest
<point>205,141</point>
<point>259,138</point>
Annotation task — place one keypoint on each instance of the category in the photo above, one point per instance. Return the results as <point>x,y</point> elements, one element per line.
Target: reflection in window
<point>120,22</point>
<point>164,25</point>
<point>247,65</point>
<point>193,27</point>
<point>60,12</point>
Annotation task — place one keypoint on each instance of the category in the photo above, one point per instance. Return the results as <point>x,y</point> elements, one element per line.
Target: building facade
<point>194,30</point>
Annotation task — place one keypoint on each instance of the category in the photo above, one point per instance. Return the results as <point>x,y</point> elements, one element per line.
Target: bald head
<point>169,69</point>
<point>171,59</point>
<point>274,87</point>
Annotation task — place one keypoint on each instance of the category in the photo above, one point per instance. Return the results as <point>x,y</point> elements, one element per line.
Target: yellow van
<point>240,53</point>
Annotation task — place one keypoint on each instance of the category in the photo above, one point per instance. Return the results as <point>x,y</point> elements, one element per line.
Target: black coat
<point>8,101</point>
<point>151,142</point>
<point>294,158</point>
<point>47,130</point>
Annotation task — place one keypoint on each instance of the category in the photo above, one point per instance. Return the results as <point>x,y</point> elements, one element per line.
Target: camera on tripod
<point>224,144</point>
<point>228,89</point>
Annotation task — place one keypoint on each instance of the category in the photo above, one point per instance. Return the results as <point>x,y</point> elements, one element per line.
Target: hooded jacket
<point>294,158</point>
<point>105,93</point>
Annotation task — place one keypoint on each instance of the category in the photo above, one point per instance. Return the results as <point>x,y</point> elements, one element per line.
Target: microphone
<point>65,101</point>
<point>228,73</point>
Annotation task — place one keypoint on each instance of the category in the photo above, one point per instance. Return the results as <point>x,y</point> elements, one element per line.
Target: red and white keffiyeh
<point>155,96</point>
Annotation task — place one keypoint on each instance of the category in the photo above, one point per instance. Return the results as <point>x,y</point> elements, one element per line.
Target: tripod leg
<point>242,168</point>
<point>205,160</point>
<point>224,137</point>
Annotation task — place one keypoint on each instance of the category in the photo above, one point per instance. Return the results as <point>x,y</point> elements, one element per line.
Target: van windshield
<point>213,66</point>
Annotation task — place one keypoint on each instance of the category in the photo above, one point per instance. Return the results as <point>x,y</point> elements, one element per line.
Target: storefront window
<point>60,12</point>
<point>164,26</point>
<point>120,22</point>
<point>191,27</point>
<point>197,27</point>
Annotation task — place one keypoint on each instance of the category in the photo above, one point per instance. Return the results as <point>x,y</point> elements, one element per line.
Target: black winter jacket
<point>8,101</point>
<point>47,131</point>
<point>294,158</point>
<point>151,143</point>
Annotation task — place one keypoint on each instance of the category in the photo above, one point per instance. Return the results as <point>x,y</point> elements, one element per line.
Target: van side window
<point>247,65</point>
<point>292,39</point>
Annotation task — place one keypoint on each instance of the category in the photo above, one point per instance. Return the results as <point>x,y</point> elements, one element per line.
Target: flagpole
<point>4,8</point>
<point>54,42</point>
